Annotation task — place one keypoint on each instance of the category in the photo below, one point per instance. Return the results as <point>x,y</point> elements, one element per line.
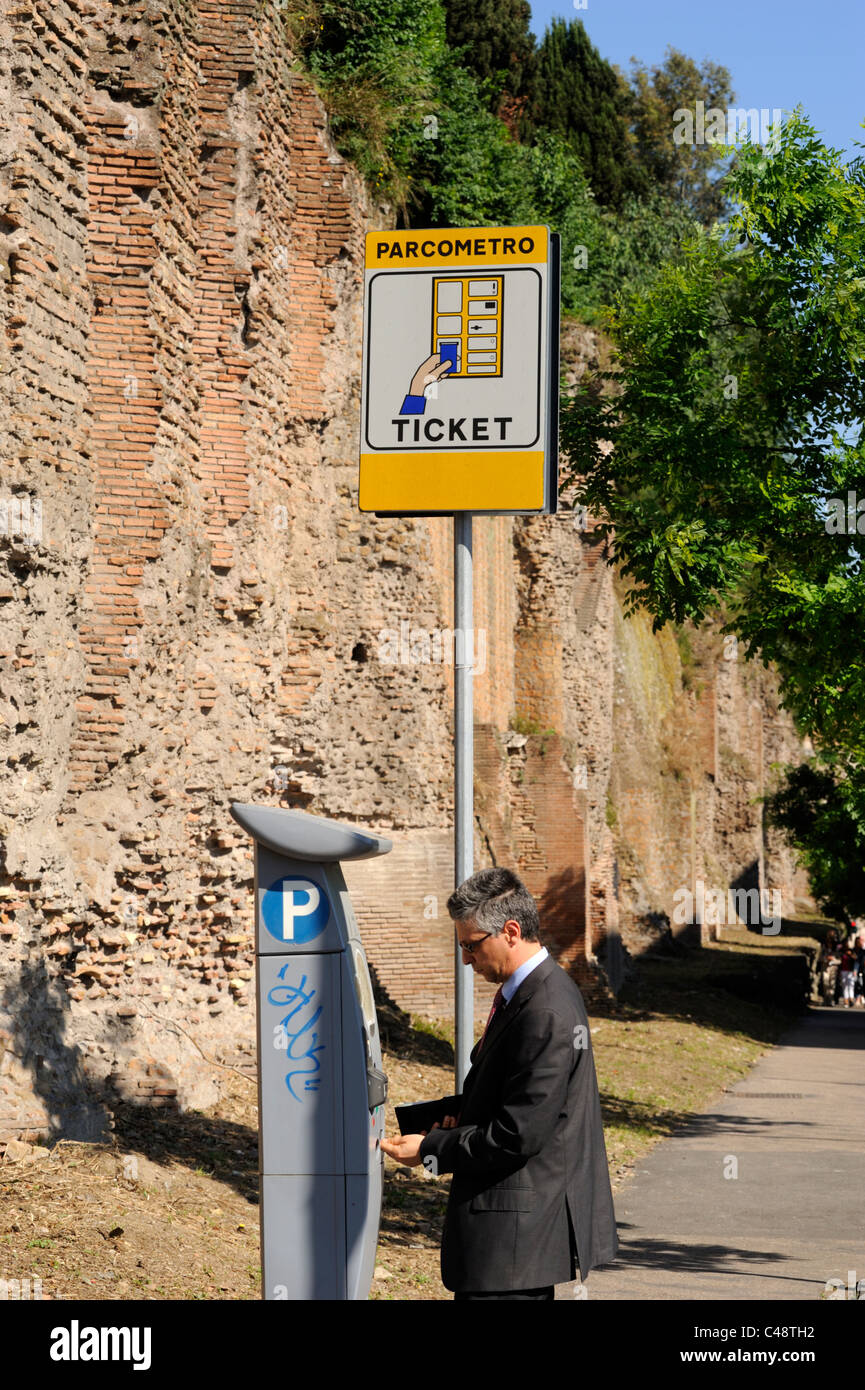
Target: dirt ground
<point>168,1209</point>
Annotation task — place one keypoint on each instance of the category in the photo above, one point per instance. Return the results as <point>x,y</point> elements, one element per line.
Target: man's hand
<point>405,1149</point>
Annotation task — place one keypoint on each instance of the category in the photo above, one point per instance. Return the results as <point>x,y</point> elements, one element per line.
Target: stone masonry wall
<point>193,611</point>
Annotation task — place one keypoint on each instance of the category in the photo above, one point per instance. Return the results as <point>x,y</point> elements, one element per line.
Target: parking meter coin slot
<point>376,1079</point>
<point>376,1086</point>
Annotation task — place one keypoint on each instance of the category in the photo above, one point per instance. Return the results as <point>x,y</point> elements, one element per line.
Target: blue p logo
<point>295,910</point>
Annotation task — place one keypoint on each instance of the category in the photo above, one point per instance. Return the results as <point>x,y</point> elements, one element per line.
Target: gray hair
<point>492,897</point>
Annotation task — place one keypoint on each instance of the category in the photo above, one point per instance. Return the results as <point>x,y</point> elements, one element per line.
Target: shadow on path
<point>676,1257</point>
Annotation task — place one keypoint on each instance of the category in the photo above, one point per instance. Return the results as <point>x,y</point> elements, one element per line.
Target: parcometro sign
<point>459,409</point>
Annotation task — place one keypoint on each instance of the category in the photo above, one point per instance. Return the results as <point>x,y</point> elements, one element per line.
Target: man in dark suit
<point>530,1198</point>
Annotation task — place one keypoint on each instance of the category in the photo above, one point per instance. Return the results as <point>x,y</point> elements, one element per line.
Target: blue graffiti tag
<point>300,997</point>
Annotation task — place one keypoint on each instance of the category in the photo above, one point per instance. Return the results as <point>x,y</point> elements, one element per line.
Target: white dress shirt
<point>513,982</point>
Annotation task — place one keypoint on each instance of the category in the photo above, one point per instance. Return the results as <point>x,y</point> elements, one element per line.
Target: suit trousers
<point>548,1293</point>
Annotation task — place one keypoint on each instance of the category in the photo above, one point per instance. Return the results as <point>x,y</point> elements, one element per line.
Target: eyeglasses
<point>471,946</point>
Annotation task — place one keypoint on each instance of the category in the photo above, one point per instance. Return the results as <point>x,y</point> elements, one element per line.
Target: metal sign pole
<point>463,777</point>
<point>473,310</point>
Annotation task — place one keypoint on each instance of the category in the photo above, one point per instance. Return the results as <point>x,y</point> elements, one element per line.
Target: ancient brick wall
<point>191,624</point>
<point>193,611</point>
<point>400,900</point>
<point>698,743</point>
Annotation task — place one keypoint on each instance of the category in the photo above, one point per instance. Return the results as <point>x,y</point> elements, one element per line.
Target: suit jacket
<point>530,1196</point>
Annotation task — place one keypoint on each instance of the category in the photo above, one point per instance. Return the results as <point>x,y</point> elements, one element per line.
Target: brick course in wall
<point>193,612</point>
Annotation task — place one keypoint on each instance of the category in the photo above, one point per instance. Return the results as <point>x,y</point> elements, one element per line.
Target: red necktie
<point>495,1004</point>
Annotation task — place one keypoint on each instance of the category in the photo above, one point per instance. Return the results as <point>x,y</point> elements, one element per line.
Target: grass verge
<point>168,1209</point>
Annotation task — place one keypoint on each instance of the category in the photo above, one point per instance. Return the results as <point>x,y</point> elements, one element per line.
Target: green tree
<point>630,247</point>
<point>580,97</point>
<point>361,35</point>
<point>822,811</point>
<point>559,194</point>
<point>493,40</point>
<point>422,129</point>
<point>472,173</point>
<point>602,251</point>
<point>736,415</point>
<point>417,123</point>
<point>377,63</point>
<point>685,171</point>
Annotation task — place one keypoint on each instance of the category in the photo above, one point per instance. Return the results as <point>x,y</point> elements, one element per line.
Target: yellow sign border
<point>507,481</point>
<point>468,246</point>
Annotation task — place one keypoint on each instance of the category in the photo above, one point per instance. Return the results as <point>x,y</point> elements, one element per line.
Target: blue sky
<point>779,52</point>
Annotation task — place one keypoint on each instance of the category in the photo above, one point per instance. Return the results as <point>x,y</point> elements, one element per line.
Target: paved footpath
<point>793,1217</point>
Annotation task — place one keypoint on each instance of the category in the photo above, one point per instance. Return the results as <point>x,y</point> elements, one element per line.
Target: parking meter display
<point>467,324</point>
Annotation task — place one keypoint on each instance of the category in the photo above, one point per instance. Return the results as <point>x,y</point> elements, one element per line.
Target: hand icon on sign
<point>429,372</point>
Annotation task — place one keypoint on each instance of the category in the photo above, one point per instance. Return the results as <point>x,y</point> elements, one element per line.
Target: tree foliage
<point>822,811</point>
<point>689,173</point>
<point>416,114</point>
<point>738,412</point>
<point>493,40</point>
<point>735,416</point>
<point>376,62</point>
<point>581,98</point>
<point>473,172</point>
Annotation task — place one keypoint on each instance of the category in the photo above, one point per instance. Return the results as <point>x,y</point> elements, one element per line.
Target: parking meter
<point>321,1084</point>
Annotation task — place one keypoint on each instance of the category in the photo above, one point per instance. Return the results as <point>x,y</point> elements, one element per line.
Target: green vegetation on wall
<point>735,410</point>
<point>736,416</point>
<point>453,131</point>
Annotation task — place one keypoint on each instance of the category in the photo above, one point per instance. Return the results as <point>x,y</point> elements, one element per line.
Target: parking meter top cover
<point>301,836</point>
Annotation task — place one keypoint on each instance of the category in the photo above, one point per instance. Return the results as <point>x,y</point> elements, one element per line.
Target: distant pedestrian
<point>849,970</point>
<point>829,962</point>
<point>859,952</point>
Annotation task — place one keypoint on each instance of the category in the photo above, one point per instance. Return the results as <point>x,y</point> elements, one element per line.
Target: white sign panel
<point>460,371</point>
